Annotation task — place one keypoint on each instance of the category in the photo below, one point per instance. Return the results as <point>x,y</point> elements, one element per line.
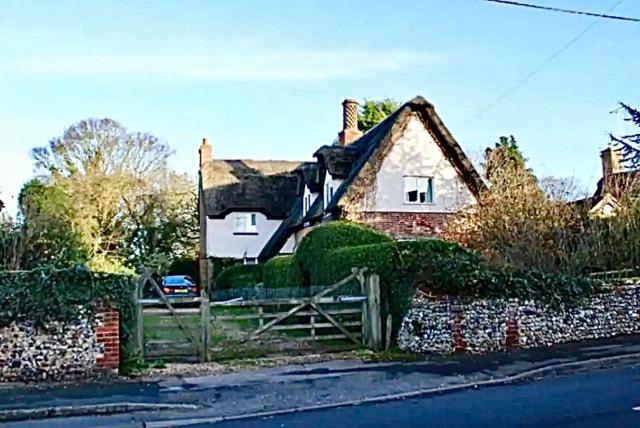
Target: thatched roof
<point>271,187</point>
<point>386,132</point>
<point>346,162</point>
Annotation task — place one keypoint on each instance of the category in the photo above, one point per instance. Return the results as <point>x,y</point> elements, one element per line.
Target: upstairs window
<point>418,190</point>
<point>245,223</point>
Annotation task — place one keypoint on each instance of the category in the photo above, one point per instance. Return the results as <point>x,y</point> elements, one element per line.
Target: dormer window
<point>418,190</point>
<point>245,224</point>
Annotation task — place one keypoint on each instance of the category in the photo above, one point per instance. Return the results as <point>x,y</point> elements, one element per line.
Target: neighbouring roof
<point>615,186</point>
<point>270,187</point>
<point>345,162</point>
<point>618,184</point>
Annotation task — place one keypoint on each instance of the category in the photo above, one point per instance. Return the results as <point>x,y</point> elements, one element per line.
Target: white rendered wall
<point>415,153</point>
<point>222,242</point>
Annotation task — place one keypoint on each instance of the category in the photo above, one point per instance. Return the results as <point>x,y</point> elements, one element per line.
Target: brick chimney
<point>206,152</point>
<point>611,162</point>
<point>350,131</point>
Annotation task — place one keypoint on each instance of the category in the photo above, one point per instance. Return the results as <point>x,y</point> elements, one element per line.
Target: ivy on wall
<point>43,295</point>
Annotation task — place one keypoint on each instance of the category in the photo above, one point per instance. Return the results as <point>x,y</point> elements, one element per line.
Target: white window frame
<point>425,183</point>
<point>328,192</point>
<point>245,223</point>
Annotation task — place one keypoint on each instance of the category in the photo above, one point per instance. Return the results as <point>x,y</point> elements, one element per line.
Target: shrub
<point>222,263</point>
<point>328,237</point>
<point>551,288</point>
<point>439,264</point>
<point>239,276</point>
<point>282,272</point>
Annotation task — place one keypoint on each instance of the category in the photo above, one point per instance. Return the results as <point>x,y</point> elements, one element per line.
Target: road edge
<point>603,362</point>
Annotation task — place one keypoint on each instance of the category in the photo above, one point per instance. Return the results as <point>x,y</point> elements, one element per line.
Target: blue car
<point>179,286</point>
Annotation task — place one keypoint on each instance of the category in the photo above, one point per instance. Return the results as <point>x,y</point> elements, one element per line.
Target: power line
<point>557,9</point>
<point>544,63</point>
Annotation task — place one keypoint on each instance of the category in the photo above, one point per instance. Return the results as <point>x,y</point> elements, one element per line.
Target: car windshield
<point>175,280</point>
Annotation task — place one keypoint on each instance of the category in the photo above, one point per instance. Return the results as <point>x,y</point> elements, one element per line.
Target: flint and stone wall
<point>445,325</point>
<point>60,350</point>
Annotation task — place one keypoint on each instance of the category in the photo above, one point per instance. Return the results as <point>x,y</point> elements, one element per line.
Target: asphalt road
<point>599,398</point>
<point>603,398</point>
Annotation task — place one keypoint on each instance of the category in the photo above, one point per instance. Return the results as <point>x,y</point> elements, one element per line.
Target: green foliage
<point>45,236</point>
<point>282,272</point>
<point>551,288</point>
<point>222,263</point>
<point>505,158</point>
<point>184,266</point>
<point>239,276</point>
<point>443,268</point>
<point>398,265</point>
<point>45,294</point>
<point>126,207</point>
<point>374,112</point>
<point>329,236</point>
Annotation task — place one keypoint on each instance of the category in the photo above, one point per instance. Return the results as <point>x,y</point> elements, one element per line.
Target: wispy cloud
<point>286,65</point>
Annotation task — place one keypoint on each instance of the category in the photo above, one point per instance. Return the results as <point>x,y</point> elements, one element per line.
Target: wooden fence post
<point>137,295</point>
<point>374,321</point>
<point>364,318</point>
<point>205,318</point>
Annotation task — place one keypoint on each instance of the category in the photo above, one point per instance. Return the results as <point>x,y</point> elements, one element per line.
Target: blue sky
<point>264,79</point>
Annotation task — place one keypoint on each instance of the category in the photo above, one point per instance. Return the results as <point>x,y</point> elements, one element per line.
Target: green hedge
<point>399,264</point>
<point>45,294</point>
<point>282,272</point>
<point>444,268</point>
<point>330,236</point>
<point>239,276</point>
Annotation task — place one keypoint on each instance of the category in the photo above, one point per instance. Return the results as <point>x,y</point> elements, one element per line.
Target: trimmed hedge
<point>281,272</point>
<point>327,237</point>
<point>45,294</point>
<point>398,265</point>
<point>239,276</point>
<point>444,268</point>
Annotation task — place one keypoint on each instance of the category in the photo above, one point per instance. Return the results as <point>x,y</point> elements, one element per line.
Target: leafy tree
<point>504,158</point>
<point>128,207</point>
<point>373,112</point>
<point>44,234</point>
<point>164,225</point>
<point>629,144</point>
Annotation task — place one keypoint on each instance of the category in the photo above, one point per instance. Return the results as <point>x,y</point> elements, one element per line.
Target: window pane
<point>253,219</point>
<point>426,190</point>
<point>430,190</point>
<point>241,222</point>
<point>411,189</point>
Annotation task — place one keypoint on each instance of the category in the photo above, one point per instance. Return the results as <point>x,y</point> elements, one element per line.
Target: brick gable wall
<point>407,224</point>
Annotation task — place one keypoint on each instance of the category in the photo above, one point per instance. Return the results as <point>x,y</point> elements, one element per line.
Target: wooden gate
<point>236,327</point>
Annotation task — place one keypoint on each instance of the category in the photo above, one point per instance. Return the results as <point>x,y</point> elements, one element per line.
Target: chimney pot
<point>611,162</point>
<point>206,152</point>
<point>350,131</point>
